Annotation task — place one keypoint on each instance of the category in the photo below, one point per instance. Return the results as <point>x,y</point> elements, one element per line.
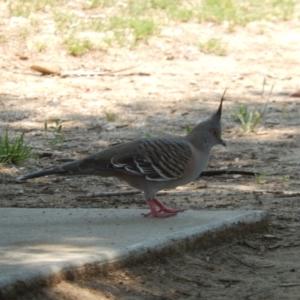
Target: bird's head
<point>208,133</point>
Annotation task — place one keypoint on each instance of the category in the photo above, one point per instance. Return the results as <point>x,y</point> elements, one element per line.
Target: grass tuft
<point>248,119</point>
<point>213,46</point>
<point>110,116</point>
<point>54,133</point>
<point>142,28</point>
<point>13,150</point>
<point>78,47</point>
<point>128,23</point>
<point>188,129</point>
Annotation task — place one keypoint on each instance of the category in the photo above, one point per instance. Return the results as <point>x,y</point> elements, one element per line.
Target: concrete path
<point>37,243</point>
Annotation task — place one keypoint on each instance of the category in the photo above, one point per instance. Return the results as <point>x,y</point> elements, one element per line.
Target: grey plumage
<point>150,164</point>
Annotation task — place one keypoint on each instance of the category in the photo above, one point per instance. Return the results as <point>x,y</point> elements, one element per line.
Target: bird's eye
<point>214,132</point>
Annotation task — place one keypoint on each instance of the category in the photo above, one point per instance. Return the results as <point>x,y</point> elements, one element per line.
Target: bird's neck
<point>200,141</point>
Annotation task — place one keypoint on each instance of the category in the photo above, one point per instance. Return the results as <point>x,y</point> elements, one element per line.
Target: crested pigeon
<point>150,164</point>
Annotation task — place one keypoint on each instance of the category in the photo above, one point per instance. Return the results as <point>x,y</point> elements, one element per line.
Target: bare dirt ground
<point>172,85</point>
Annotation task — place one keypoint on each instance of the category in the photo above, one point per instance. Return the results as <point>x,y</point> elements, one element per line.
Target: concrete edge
<point>201,237</point>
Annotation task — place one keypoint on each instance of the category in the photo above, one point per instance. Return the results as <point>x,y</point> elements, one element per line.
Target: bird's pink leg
<point>153,212</point>
<point>163,212</point>
<point>165,208</point>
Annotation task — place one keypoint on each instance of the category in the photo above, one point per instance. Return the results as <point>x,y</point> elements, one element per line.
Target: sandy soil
<point>171,85</point>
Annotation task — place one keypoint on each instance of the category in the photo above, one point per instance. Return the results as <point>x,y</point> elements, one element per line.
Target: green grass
<point>249,119</point>
<point>98,3</point>
<point>130,22</point>
<point>213,46</point>
<point>188,129</point>
<point>78,47</point>
<point>110,116</point>
<point>54,133</point>
<point>41,46</point>
<point>181,15</point>
<point>261,178</point>
<point>67,22</point>
<point>13,150</point>
<point>142,29</point>
<point>286,178</point>
<point>24,8</point>
<point>243,12</point>
<point>164,4</point>
<point>129,31</point>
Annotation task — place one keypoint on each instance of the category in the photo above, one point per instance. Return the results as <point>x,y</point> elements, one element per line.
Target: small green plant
<point>63,21</point>
<point>251,119</point>
<point>23,8</point>
<point>261,178</point>
<point>231,27</point>
<point>110,116</point>
<point>96,3</point>
<point>13,150</point>
<point>78,47</point>
<point>188,129</point>
<point>243,12</point>
<point>96,25</point>
<point>214,46</point>
<point>17,9</point>
<point>92,4</point>
<point>54,133</point>
<point>286,178</point>
<point>34,22</point>
<point>248,119</point>
<point>142,28</point>
<point>129,31</point>
<point>182,15</point>
<point>41,46</point>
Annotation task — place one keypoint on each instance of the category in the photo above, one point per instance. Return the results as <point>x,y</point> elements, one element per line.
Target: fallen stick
<point>227,172</point>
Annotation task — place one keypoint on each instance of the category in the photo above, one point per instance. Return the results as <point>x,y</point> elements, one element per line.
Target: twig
<point>227,172</point>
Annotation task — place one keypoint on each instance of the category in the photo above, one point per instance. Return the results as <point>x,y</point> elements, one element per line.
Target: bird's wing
<point>158,159</point>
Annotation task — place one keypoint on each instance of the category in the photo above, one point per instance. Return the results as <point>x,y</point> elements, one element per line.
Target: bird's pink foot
<point>163,212</point>
<point>165,208</point>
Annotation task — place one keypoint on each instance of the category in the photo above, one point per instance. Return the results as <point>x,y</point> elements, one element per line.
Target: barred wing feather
<point>158,159</point>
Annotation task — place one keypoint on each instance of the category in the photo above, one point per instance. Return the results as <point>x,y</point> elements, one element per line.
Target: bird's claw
<point>163,212</point>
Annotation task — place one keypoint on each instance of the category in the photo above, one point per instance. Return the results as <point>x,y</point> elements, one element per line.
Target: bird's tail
<point>41,173</point>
